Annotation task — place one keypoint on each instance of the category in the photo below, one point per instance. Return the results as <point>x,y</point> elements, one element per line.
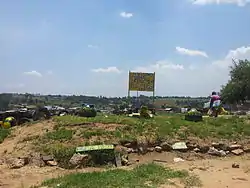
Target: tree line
<point>237,89</point>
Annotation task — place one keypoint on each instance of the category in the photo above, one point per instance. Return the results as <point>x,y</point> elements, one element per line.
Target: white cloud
<point>92,46</point>
<point>107,70</point>
<point>206,2</point>
<point>33,73</point>
<point>193,79</point>
<point>159,66</point>
<point>126,14</point>
<point>189,52</point>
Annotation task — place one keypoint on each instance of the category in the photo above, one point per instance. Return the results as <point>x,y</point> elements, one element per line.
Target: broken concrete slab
<point>179,146</point>
<point>237,151</point>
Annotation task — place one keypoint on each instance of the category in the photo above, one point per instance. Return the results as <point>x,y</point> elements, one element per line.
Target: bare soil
<point>212,171</point>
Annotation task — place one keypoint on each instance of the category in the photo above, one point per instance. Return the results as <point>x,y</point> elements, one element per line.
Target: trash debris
<point>214,151</point>
<point>177,159</point>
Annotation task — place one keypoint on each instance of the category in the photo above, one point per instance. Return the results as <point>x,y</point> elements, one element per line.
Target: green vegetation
<point>3,134</point>
<point>147,175</point>
<point>160,127</point>
<point>238,87</point>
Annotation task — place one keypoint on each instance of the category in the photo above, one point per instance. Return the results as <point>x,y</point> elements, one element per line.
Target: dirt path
<point>213,173</point>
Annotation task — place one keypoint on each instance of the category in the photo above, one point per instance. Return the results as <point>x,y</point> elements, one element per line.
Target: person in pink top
<point>215,102</point>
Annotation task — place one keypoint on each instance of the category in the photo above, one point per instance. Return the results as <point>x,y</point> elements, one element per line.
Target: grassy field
<point>72,131</point>
<point>147,175</point>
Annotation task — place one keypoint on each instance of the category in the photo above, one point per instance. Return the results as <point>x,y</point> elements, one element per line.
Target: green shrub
<point>61,153</point>
<point>194,112</point>
<point>87,112</point>
<point>3,134</point>
<point>144,113</point>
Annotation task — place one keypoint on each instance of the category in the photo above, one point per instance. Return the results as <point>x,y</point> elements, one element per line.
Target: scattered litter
<point>177,159</point>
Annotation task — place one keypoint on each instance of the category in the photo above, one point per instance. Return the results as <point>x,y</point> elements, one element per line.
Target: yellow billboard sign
<point>139,81</point>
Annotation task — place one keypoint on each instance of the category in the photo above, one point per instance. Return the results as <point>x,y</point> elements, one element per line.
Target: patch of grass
<point>147,175</point>
<point>3,133</point>
<point>61,153</point>
<point>60,134</point>
<point>192,181</point>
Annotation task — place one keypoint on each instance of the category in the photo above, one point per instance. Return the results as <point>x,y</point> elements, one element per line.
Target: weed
<point>138,177</point>
<point>3,134</point>
<point>60,134</point>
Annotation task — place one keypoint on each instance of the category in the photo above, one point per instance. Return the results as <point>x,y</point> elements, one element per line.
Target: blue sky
<point>88,46</point>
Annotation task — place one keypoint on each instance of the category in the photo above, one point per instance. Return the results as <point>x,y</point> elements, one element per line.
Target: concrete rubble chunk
<point>179,146</point>
<point>16,163</point>
<point>216,152</point>
<point>150,149</point>
<point>78,159</point>
<point>36,159</point>
<point>235,146</point>
<point>237,151</point>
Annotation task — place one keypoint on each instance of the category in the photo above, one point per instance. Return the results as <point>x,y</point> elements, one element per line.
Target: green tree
<point>238,87</point>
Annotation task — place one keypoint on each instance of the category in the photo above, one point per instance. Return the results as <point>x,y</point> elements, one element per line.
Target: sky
<point>87,47</point>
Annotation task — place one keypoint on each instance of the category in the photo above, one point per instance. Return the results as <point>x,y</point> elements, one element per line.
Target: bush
<point>87,112</point>
<point>144,112</point>
<point>194,112</point>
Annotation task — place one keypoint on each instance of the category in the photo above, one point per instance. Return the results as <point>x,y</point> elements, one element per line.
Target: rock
<point>36,159</point>
<point>124,160</point>
<point>204,148</point>
<point>51,163</point>
<point>130,150</point>
<point>158,149</point>
<point>78,159</point>
<point>16,163</point>
<point>215,145</point>
<point>142,145</point>
<point>128,145</point>
<point>179,146</point>
<point>121,149</point>
<point>234,165</point>
<point>196,150</point>
<point>235,146</point>
<point>118,160</point>
<point>47,158</point>
<point>215,152</point>
<point>150,149</point>
<point>246,149</point>
<point>237,151</point>
<point>166,146</point>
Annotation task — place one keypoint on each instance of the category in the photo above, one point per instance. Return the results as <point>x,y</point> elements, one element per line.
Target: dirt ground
<point>213,172</point>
